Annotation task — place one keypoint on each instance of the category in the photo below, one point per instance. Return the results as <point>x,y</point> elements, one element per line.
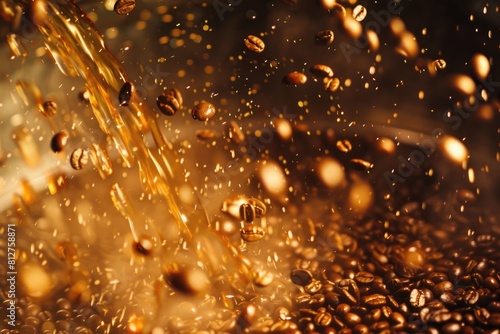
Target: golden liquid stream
<point>79,50</point>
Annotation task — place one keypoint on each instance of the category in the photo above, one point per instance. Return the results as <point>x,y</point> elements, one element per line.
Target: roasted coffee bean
<point>307,312</point>
<point>49,108</point>
<point>402,294</point>
<point>360,329</point>
<point>252,233</point>
<point>448,298</point>
<point>125,93</point>
<point>317,300</point>
<point>352,319</point>
<point>471,297</point>
<point>167,104</point>
<point>331,84</point>
<point>385,312</point>
<point>397,320</point>
<point>332,299</point>
<point>348,297</point>
<point>302,298</point>
<point>301,277</point>
<point>491,283</point>
<point>324,37</point>
<point>494,320</point>
<point>323,319</point>
<point>451,327</point>
<point>337,323</point>
<point>322,71</point>
<point>440,316</point>
<point>374,300</point>
<point>235,133</point>
<point>364,277</point>
<point>394,284</point>
<point>477,280</point>
<point>124,6</point>
<point>314,287</point>
<point>79,158</point>
<point>359,13</point>
<point>177,94</point>
<point>342,309</point>
<point>205,134</point>
<point>295,78</point>
<point>494,306</point>
<point>392,303</point>
<point>481,315</point>
<point>439,64</point>
<point>58,141</point>
<point>437,277</point>
<point>247,212</point>
<point>254,44</point>
<point>259,206</point>
<point>344,146</point>
<point>143,246</point>
<point>203,111</point>
<point>444,286</point>
<point>380,326</point>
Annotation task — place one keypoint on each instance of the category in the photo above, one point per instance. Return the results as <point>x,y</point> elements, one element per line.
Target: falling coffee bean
<point>359,13</point>
<point>322,71</point>
<point>331,84</point>
<point>203,111</point>
<point>177,94</point>
<point>79,158</point>
<point>123,7</point>
<point>167,104</point>
<point>254,44</point>
<point>324,37</point>
<point>58,141</point>
<point>247,212</point>
<point>259,206</point>
<point>49,108</point>
<point>252,233</point>
<point>125,93</point>
<point>295,78</point>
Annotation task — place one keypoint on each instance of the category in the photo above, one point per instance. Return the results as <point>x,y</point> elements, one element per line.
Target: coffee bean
<point>374,300</point>
<point>471,297</point>
<point>58,141</point>
<point>352,319</point>
<point>344,145</point>
<point>448,298</point>
<point>359,13</point>
<point>380,326</point>
<point>494,306</point>
<point>439,64</point>
<point>144,246</point>
<point>481,315</point>
<point>259,206</point>
<point>392,303</point>
<point>247,212</point>
<point>235,133</point>
<point>79,158</point>
<point>385,312</point>
<point>494,320</point>
<point>397,320</point>
<point>301,277</point>
<point>331,84</point>
<point>49,108</point>
<point>188,280</point>
<point>167,104</point>
<point>313,287</point>
<point>252,233</point>
<point>440,316</point>
<point>417,298</point>
<point>322,71</point>
<point>451,327</point>
<point>177,94</point>
<point>348,297</point>
<point>444,286</point>
<point>477,280</point>
<point>332,299</point>
<point>125,93</point>
<point>203,111</point>
<point>295,78</point>
<point>402,294</point>
<point>324,37</point>
<point>124,6</point>
<point>342,309</point>
<point>323,319</point>
<point>205,134</point>
<point>364,277</point>
<point>254,44</point>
